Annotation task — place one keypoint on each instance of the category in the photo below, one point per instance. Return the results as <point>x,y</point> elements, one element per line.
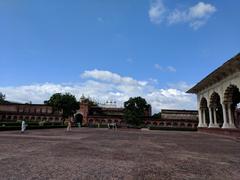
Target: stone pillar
<point>225,123</point>
<point>230,117</point>
<point>210,117</point>
<point>215,117</point>
<point>204,124</point>
<point>212,123</point>
<point>200,124</point>
<point>204,116</point>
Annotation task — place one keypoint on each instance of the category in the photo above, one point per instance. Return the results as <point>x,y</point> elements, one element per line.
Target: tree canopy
<point>2,98</point>
<point>157,115</point>
<point>134,110</point>
<point>66,103</point>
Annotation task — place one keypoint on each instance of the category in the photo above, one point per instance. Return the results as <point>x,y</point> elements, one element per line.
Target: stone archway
<point>231,101</point>
<point>90,123</point>
<point>204,112</point>
<point>79,118</point>
<point>215,111</point>
<point>224,81</point>
<point>155,123</point>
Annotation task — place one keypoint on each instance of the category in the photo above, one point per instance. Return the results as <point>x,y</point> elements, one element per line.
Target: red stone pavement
<point>123,154</point>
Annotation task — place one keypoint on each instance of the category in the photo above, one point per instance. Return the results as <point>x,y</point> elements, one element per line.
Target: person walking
<point>23,126</point>
<point>70,121</point>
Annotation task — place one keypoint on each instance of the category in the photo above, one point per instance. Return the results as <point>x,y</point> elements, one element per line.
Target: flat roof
<point>20,104</point>
<point>178,111</point>
<point>228,68</point>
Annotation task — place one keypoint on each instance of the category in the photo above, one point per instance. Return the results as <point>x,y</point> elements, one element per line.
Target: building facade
<point>91,114</point>
<point>30,112</point>
<point>94,114</point>
<point>218,96</point>
<point>175,118</point>
<point>104,115</point>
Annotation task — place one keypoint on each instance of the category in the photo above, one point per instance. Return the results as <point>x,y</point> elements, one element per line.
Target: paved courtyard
<point>123,154</point>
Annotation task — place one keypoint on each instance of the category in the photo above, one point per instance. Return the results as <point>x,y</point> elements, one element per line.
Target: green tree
<point>66,103</point>
<point>157,115</point>
<point>55,101</point>
<point>2,98</point>
<point>134,110</point>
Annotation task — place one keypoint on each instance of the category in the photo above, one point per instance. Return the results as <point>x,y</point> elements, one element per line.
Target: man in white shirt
<point>23,127</point>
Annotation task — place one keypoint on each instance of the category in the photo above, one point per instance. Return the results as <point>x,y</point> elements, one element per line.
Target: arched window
<point>204,110</point>
<point>161,124</point>
<point>175,124</point>
<point>189,125</point>
<point>182,124</point>
<point>216,107</point>
<point>232,99</point>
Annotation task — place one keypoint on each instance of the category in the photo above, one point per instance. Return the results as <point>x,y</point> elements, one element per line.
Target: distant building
<point>95,114</point>
<point>92,114</point>
<point>175,118</point>
<point>104,115</point>
<point>32,112</point>
<point>218,96</point>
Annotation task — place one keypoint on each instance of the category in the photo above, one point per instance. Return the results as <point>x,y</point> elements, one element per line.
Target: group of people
<point>112,126</point>
<point>70,121</point>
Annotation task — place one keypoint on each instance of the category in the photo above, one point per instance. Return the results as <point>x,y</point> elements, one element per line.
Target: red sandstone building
<point>175,118</point>
<point>30,112</point>
<point>104,115</point>
<point>95,114</point>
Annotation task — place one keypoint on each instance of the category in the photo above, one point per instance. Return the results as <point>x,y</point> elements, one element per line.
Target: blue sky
<point>153,48</point>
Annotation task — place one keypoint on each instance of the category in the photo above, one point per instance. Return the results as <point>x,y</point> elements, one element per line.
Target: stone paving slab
<point>106,154</point>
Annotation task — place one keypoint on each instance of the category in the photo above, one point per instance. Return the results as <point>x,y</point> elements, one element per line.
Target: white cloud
<point>171,69</point>
<point>153,81</point>
<point>157,66</point>
<point>105,85</point>
<point>182,86</point>
<point>111,77</point>
<point>197,24</point>
<point>196,15</point>
<point>201,10</point>
<point>165,69</point>
<point>157,11</point>
<point>177,16</point>
<point>170,99</point>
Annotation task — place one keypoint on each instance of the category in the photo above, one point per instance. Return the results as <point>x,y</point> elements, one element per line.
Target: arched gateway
<point>218,96</point>
<point>79,118</point>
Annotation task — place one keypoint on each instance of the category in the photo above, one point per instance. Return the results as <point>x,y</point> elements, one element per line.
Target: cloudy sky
<point>112,49</point>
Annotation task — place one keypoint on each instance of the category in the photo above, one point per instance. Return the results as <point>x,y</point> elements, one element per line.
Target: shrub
<point>8,128</point>
<point>10,124</point>
<point>172,128</point>
<point>5,126</point>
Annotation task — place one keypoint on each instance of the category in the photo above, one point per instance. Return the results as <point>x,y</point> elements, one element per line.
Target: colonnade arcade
<point>219,110</point>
